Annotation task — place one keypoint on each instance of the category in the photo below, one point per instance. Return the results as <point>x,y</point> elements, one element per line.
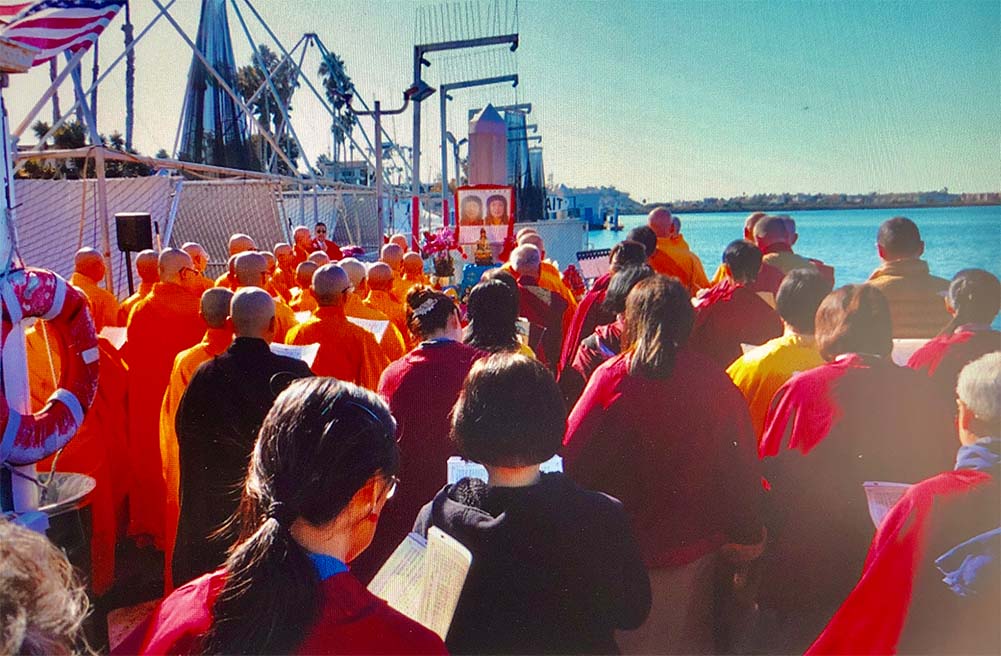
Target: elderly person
<point>555,567</point>
<point>859,417</point>
<point>321,473</point>
<point>542,307</point>
<point>945,525</point>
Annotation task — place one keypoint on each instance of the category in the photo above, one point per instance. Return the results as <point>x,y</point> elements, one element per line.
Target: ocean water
<point>955,238</point>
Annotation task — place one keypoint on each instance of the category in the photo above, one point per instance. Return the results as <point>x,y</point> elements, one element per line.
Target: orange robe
<point>687,264</point>
<point>392,343</point>
<point>126,307</point>
<point>284,282</point>
<point>96,446</point>
<point>400,287</point>
<point>303,301</point>
<point>347,352</point>
<point>162,325</point>
<point>200,283</point>
<point>103,304</point>
<point>386,303</point>
<point>215,341</point>
<point>284,320</point>
<point>225,281</point>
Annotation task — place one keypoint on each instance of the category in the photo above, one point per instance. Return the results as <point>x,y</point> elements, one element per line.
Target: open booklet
<point>459,469</point>
<point>305,352</point>
<point>881,496</point>
<point>424,577</point>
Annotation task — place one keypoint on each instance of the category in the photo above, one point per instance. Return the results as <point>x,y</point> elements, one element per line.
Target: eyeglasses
<point>188,270</point>
<point>392,483</point>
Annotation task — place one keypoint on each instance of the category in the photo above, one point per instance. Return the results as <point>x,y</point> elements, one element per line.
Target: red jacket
<point>678,452</point>
<point>351,621</point>
<point>588,316</point>
<point>943,357</point>
<point>729,315</point>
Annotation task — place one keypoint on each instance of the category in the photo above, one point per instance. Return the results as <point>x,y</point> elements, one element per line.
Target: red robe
<point>678,452</point>
<point>544,309</point>
<point>729,315</point>
<point>943,357</point>
<point>597,348</point>
<point>351,620</point>
<point>588,316</point>
<point>902,591</point>
<point>421,389</point>
<point>830,429</point>
<point>332,250</point>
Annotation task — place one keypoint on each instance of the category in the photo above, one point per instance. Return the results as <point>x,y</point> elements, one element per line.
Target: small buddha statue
<point>484,255</point>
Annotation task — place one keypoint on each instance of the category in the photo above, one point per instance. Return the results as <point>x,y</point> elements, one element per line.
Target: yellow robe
<point>691,274</point>
<point>215,341</point>
<point>123,312</point>
<point>161,325</point>
<point>393,345</point>
<point>284,320</point>
<point>760,373</point>
<point>386,303</point>
<point>347,352</point>
<point>103,304</point>
<point>98,447</point>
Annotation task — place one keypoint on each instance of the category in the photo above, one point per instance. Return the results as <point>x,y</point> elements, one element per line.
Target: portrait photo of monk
<point>471,213</point>
<point>497,210</point>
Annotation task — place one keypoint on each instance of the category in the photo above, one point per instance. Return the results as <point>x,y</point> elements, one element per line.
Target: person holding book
<point>555,568</point>
<point>322,470</point>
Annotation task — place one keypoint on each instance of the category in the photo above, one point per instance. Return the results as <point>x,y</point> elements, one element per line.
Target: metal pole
<point>415,174</point>
<point>442,99</point>
<point>378,171</point>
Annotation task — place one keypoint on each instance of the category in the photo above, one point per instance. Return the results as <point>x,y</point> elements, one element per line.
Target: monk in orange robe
<point>380,297</point>
<point>93,450</point>
<point>671,243</point>
<point>392,256</point>
<point>347,352</point>
<point>302,297</point>
<point>88,271</point>
<point>283,278</point>
<point>148,268</point>
<point>238,243</point>
<point>413,273</point>
<point>392,343</point>
<point>160,326</point>
<point>549,276</point>
<point>218,336</point>
<point>302,244</point>
<point>200,261</point>
<point>250,269</point>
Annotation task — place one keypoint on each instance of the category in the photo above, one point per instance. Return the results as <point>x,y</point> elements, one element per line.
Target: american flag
<point>54,26</point>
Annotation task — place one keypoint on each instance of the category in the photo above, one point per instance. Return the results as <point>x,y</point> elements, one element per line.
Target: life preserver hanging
<point>25,439</point>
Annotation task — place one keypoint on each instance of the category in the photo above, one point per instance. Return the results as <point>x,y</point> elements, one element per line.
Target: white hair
<point>526,259</point>
<point>979,388</point>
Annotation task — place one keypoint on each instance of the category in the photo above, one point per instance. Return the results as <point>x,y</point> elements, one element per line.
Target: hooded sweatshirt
<point>555,568</point>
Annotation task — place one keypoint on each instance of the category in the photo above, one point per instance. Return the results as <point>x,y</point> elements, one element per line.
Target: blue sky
<point>666,100</point>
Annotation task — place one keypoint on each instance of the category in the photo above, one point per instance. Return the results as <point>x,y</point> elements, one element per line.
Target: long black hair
<point>321,442</point>
<point>659,320</point>
<point>492,310</point>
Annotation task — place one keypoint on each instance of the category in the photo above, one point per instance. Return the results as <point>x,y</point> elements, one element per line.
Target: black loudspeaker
<point>135,231</point>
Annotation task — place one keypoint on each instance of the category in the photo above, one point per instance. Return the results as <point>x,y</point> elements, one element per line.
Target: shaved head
<point>319,258</point>
<point>271,261</point>
<point>240,243</point>
<point>354,269</point>
<point>380,277</point>
<point>199,256</point>
<point>148,266</point>
<point>215,306</point>
<point>301,236</point>
<point>660,221</point>
<point>172,261</point>
<point>253,313</point>
<point>304,274</point>
<point>329,284</point>
<point>89,263</point>
<point>400,240</point>
<point>522,232</point>
<point>284,253</point>
<point>526,260</point>
<point>534,239</point>
<point>412,263</point>
<point>750,222</point>
<point>392,255</point>
<point>771,230</point>
<point>249,269</point>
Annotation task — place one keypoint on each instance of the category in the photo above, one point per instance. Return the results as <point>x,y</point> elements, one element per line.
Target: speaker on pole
<point>134,230</point>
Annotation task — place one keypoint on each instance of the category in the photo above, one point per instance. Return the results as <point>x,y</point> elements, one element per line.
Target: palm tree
<point>337,84</point>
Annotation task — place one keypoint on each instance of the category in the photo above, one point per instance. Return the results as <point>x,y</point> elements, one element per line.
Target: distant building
<point>353,172</point>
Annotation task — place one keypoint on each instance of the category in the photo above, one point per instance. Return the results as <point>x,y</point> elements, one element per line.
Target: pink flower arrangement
<point>439,242</point>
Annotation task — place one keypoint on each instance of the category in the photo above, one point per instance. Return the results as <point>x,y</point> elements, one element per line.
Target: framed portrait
<point>484,210</point>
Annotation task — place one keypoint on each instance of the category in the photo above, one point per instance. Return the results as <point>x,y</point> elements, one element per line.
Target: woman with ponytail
<point>323,468</point>
<point>973,300</point>
<point>663,429</point>
<point>421,389</point>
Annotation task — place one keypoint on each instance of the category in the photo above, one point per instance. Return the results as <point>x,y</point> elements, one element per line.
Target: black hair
<point>659,319</point>
<point>320,443</point>
<point>799,296</point>
<point>854,319</point>
<point>621,284</point>
<point>899,237</point>
<point>497,197</point>
<point>975,297</point>
<point>743,259</point>
<point>510,412</point>
<point>428,310</point>
<point>644,235</point>
<point>492,310</point>
<point>628,253</point>
<point>319,223</point>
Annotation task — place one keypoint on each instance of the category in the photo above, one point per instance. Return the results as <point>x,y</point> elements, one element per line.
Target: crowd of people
<point>715,433</point>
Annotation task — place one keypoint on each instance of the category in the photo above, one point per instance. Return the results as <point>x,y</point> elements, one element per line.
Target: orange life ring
<point>25,439</point>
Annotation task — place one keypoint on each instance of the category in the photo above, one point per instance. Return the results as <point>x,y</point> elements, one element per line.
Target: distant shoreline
<point>687,209</point>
